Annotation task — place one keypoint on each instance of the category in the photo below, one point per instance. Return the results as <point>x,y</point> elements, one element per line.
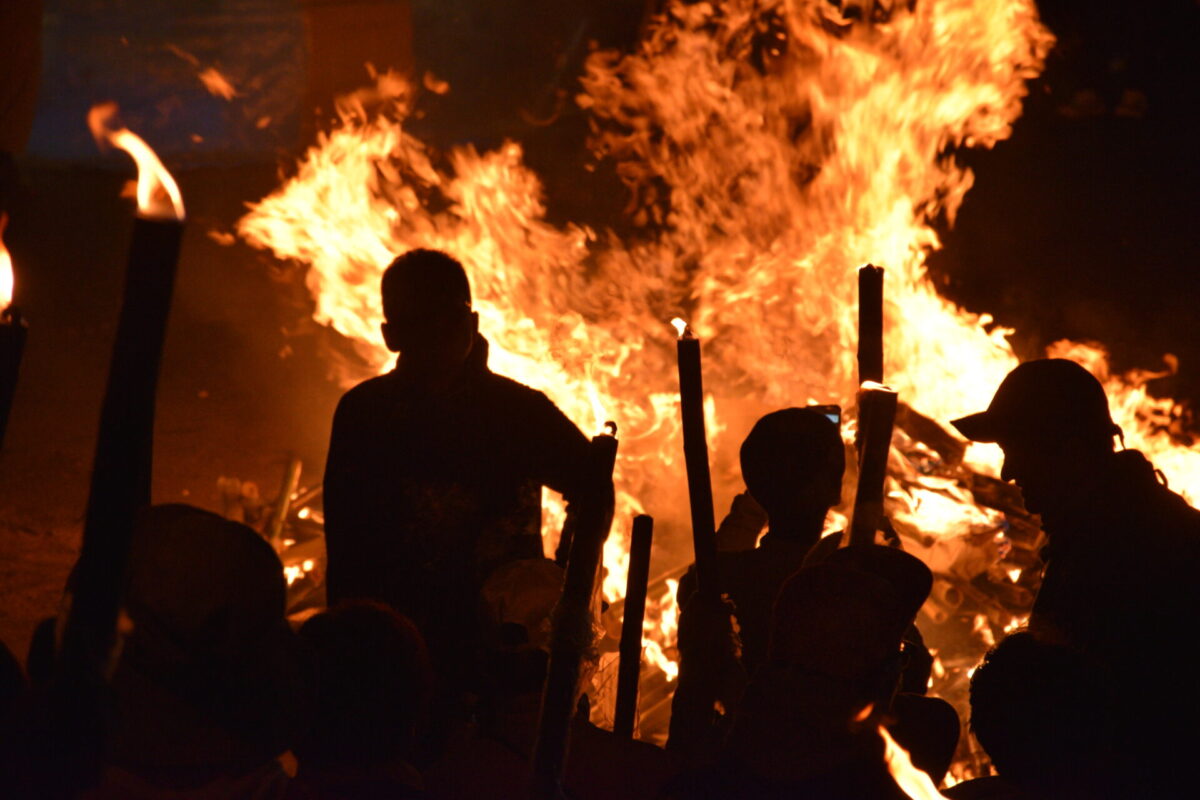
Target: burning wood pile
<point>769,150</point>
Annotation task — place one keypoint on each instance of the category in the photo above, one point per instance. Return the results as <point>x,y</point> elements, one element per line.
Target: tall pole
<point>876,417</point>
<point>695,456</point>
<point>630,670</point>
<point>870,324</point>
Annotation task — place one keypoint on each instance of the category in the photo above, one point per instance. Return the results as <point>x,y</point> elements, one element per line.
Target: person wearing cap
<point>1124,550</point>
<point>435,469</point>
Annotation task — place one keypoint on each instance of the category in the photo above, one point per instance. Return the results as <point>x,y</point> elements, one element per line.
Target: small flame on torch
<point>6,268</point>
<point>158,196</point>
<point>683,330</point>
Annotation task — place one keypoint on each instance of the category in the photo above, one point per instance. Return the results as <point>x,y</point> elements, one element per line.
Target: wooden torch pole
<point>695,456</point>
<point>630,669</point>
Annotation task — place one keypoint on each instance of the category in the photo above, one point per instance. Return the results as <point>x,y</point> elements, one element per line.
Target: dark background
<point>1082,225</point>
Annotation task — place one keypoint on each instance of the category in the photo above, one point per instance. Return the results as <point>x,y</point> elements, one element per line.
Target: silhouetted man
<point>435,469</point>
<point>1124,552</point>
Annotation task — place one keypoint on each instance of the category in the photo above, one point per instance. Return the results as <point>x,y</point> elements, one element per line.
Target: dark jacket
<point>1120,587</point>
<point>426,493</point>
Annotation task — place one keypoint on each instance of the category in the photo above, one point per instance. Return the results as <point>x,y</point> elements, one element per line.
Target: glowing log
<point>876,416</point>
<point>121,467</point>
<point>695,456</point>
<point>571,636</point>
<point>630,670</point>
<point>288,492</point>
<point>13,331</point>
<point>870,324</point>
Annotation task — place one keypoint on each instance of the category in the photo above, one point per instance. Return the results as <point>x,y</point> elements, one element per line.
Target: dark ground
<point>1081,226</point>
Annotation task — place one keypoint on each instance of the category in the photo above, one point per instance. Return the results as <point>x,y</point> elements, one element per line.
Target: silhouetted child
<point>792,462</point>
<point>1044,715</point>
<point>369,684</point>
<point>436,468</point>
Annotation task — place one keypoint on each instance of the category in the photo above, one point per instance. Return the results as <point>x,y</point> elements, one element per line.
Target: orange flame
<point>762,180</point>
<point>6,267</point>
<point>158,195</point>
<point>914,782</point>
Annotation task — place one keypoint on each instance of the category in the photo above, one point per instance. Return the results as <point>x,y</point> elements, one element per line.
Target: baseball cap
<point>1048,398</point>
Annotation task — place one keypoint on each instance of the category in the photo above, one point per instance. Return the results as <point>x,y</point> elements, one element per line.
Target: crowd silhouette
<point>423,677</point>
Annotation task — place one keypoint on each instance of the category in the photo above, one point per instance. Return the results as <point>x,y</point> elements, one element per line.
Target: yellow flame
<point>761,181</point>
<point>158,196</point>
<point>914,782</point>
<point>680,326</point>
<point>6,267</point>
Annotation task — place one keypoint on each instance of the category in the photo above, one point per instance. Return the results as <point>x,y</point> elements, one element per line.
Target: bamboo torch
<point>870,324</point>
<point>695,456</point>
<point>636,582</point>
<point>571,633</point>
<point>121,467</point>
<point>13,331</point>
<point>876,416</point>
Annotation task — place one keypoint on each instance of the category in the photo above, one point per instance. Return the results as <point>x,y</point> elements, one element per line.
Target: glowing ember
<point>6,267</point>
<point>158,196</point>
<point>217,84</point>
<point>913,782</point>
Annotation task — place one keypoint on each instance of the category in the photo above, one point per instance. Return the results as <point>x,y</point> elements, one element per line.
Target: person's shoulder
<point>368,391</point>
<point>505,386</point>
<point>515,398</point>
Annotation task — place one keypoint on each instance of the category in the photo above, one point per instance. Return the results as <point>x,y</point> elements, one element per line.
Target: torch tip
<point>682,329</point>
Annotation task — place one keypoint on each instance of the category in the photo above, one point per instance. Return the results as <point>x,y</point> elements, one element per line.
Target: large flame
<point>771,149</point>
<point>158,196</point>
<point>6,267</point>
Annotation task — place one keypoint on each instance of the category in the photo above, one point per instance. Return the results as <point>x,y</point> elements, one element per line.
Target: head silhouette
<point>792,463</point>
<point>1042,713</point>
<point>1051,419</point>
<point>427,311</point>
<point>370,678</point>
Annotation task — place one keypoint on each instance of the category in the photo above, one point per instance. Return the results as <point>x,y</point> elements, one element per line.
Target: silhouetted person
<point>792,462</point>
<point>206,682</point>
<point>808,724</point>
<point>369,681</point>
<point>1123,554</point>
<point>436,468</point>
<point>1044,715</point>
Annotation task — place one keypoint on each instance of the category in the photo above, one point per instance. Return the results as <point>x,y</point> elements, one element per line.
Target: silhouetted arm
<point>352,497</point>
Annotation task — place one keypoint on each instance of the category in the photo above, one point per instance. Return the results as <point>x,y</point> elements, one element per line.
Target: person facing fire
<point>435,469</point>
<point>1123,553</point>
<point>792,462</point>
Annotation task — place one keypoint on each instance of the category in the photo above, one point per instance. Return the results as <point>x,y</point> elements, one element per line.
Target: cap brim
<point>981,427</point>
